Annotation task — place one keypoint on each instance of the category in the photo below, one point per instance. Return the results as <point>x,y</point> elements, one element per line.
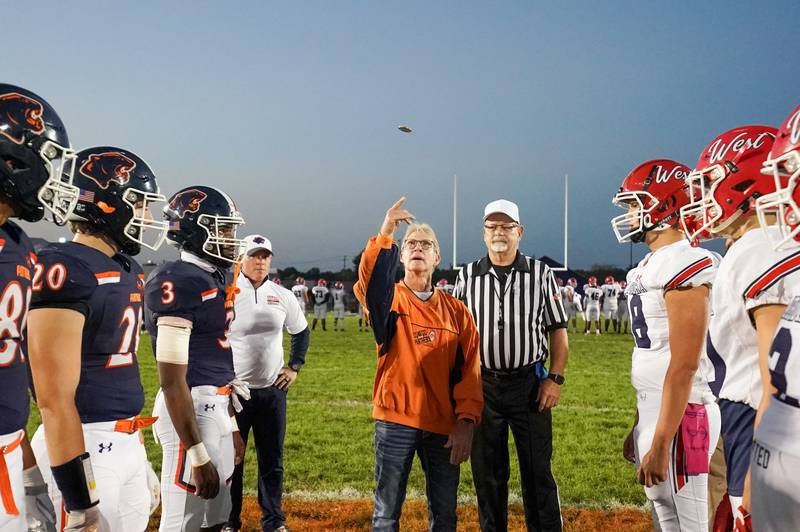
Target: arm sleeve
<point>554,315</point>
<point>775,285</point>
<point>376,280</point>
<point>299,347</point>
<point>467,384</point>
<point>169,294</point>
<point>64,282</point>
<point>689,270</point>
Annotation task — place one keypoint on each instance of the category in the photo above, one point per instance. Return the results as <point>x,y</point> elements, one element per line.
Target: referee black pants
<point>510,401</point>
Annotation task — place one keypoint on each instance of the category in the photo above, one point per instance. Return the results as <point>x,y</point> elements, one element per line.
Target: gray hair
<point>423,228</point>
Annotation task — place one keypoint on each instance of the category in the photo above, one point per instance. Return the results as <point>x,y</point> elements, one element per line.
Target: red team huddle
<point>713,335</point>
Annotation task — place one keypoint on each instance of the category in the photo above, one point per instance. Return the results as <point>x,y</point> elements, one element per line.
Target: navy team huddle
<point>714,353</point>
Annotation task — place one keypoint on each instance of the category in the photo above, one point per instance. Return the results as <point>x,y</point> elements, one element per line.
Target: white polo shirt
<point>256,335</point>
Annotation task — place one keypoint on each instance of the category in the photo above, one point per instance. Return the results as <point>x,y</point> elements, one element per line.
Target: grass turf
<point>328,449</point>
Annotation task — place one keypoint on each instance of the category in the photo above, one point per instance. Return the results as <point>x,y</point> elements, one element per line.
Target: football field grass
<point>328,451</point>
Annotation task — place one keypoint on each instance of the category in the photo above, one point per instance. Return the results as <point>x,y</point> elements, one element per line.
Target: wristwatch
<point>296,367</point>
<point>556,378</point>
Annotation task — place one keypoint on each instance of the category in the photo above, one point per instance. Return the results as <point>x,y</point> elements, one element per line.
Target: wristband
<point>75,480</point>
<point>198,455</point>
<point>234,424</point>
<point>32,477</point>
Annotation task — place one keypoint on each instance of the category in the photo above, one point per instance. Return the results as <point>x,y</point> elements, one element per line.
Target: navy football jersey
<point>16,267</point>
<point>108,291</point>
<point>184,290</point>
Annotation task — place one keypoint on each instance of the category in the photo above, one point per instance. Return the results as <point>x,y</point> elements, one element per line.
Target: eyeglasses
<point>426,245</point>
<point>503,227</point>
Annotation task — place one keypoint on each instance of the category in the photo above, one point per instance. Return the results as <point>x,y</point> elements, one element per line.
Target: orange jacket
<point>429,372</point>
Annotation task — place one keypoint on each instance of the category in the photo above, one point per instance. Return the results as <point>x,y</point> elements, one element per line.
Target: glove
<point>723,517</point>
<point>88,520</point>
<point>154,485</point>
<point>239,388</point>
<point>40,515</point>
<point>743,523</point>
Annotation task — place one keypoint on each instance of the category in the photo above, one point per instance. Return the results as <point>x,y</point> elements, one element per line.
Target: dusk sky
<point>292,108</point>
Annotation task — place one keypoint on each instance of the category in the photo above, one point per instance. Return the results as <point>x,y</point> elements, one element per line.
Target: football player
<point>593,296</point>
<point>338,296</point>
<point>321,296</point>
<point>189,310</point>
<point>611,292</point>
<point>363,320</point>
<point>444,284</point>
<point>572,302</point>
<point>751,291</point>
<point>83,331</point>
<point>775,459</point>
<point>677,420</point>
<point>623,316</point>
<point>36,165</point>
<point>300,291</point>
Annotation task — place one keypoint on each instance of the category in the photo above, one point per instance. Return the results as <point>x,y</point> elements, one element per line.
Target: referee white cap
<point>255,243</point>
<point>501,206</point>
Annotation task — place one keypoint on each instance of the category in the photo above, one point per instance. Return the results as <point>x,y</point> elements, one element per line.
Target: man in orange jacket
<point>428,395</point>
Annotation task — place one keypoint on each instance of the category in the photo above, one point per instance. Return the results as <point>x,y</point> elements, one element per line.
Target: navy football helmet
<point>203,220</point>
<point>36,160</point>
<point>117,191</point>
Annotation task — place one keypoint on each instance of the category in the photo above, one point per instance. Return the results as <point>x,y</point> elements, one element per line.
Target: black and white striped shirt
<point>514,317</point>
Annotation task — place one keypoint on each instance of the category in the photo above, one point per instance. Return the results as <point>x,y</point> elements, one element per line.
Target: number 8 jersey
<point>108,291</point>
<point>673,266</point>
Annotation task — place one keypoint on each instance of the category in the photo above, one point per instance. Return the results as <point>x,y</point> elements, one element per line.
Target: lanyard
<point>502,296</point>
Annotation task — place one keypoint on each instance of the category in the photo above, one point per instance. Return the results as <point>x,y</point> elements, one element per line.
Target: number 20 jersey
<point>751,274</point>
<point>673,266</point>
<point>16,267</point>
<point>108,292</point>
<point>184,290</point>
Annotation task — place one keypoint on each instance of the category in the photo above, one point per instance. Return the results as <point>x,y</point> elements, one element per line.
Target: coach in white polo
<point>263,310</point>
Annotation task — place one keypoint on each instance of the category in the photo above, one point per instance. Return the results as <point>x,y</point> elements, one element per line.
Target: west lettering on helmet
<point>663,175</point>
<point>22,113</point>
<point>793,125</point>
<point>718,150</point>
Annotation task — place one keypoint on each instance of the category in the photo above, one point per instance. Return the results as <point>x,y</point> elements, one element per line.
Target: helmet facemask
<point>780,208</point>
<point>58,195</point>
<point>699,217</point>
<point>221,241</point>
<point>142,228</point>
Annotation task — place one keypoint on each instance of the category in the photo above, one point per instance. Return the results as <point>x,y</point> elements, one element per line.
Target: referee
<point>516,305</point>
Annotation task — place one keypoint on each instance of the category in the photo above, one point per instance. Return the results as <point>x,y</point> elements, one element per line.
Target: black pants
<point>265,412</point>
<point>510,401</point>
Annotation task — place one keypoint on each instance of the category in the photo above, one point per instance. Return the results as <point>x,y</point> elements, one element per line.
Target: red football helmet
<point>300,280</point>
<point>783,163</point>
<point>338,285</point>
<point>573,282</point>
<point>277,280</point>
<point>609,279</point>
<point>322,282</point>
<point>442,283</point>
<point>623,284</point>
<point>592,280</point>
<point>652,194</point>
<point>727,180</point>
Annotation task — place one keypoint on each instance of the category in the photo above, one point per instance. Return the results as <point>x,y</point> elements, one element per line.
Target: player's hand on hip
<point>394,216</point>
<point>548,395</point>
<point>628,448</point>
<point>286,378</point>
<point>88,520</point>
<point>460,442</point>
<point>206,480</point>
<point>238,447</point>
<point>653,469</point>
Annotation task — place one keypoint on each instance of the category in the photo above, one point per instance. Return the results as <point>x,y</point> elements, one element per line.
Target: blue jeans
<point>395,446</point>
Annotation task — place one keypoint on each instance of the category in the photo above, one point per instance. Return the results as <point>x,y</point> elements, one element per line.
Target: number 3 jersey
<point>16,267</point>
<point>108,292</point>
<point>751,274</point>
<point>183,289</point>
<point>677,265</point>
